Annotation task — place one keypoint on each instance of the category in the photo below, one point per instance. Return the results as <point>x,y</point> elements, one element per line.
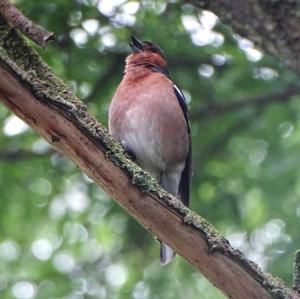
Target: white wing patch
<point>180,93</point>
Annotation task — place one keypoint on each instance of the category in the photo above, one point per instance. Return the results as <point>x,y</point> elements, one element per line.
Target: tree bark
<point>19,21</point>
<point>272,24</point>
<point>30,90</point>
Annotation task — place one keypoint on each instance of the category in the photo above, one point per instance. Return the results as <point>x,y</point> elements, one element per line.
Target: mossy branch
<point>16,19</point>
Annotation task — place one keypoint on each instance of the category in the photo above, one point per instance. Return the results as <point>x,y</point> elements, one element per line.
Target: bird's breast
<point>150,123</point>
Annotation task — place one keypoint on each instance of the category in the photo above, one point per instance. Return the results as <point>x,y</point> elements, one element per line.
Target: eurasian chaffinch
<point>148,116</point>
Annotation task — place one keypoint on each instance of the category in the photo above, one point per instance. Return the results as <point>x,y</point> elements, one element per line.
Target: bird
<point>148,115</point>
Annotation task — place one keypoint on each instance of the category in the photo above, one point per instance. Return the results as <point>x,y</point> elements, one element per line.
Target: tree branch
<point>35,32</point>
<point>31,91</point>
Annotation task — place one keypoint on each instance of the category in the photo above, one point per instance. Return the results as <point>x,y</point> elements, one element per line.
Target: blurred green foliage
<point>62,237</point>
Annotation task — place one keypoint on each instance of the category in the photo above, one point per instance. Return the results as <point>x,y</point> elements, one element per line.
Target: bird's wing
<point>183,104</point>
<point>184,186</point>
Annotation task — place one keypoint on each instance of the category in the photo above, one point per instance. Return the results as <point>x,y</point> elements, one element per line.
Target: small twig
<point>296,274</point>
<point>16,19</point>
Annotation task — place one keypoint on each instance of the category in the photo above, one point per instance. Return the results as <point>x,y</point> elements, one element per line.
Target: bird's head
<point>144,47</point>
<point>144,53</point>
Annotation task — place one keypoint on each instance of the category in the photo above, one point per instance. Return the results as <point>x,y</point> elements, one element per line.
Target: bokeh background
<point>61,236</point>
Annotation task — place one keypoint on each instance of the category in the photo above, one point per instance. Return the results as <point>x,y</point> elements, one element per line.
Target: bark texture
<point>271,24</point>
<point>35,32</point>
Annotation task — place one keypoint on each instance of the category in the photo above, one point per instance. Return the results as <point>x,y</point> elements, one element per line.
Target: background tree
<point>74,241</point>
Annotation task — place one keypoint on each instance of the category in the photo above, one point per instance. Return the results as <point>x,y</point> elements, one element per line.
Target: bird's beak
<point>136,45</point>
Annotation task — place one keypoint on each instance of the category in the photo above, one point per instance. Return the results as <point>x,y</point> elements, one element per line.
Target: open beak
<point>136,45</point>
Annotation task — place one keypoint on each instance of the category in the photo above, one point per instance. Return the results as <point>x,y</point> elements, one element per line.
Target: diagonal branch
<point>35,32</point>
<point>31,91</point>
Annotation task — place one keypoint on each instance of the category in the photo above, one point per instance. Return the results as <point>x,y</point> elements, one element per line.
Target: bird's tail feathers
<point>166,254</point>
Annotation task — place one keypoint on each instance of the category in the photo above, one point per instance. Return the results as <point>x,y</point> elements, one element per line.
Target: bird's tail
<point>166,254</point>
